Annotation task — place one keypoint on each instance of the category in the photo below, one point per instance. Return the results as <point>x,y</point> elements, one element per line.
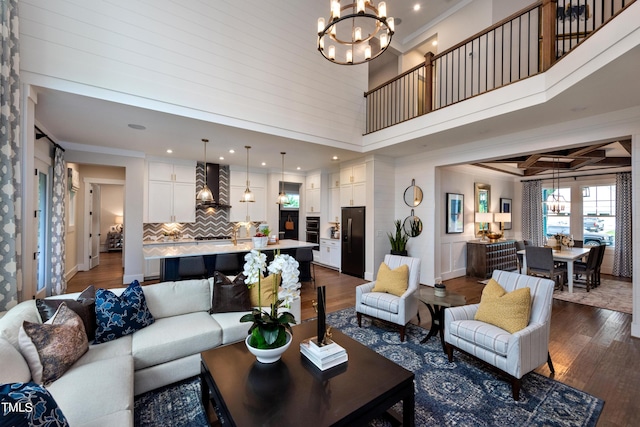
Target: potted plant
<point>261,238</point>
<point>398,240</point>
<point>270,333</point>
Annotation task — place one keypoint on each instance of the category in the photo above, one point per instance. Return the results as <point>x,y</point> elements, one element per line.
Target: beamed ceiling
<point>592,158</point>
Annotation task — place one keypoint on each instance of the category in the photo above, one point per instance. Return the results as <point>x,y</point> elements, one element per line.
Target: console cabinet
<point>484,257</point>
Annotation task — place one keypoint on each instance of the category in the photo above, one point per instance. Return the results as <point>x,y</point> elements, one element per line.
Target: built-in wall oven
<point>313,229</point>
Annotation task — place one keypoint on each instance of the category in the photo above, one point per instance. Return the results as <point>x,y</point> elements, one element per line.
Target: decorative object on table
<point>261,238</point>
<point>271,329</point>
<point>349,30</point>
<point>455,213</point>
<point>398,240</point>
<point>505,207</point>
<point>321,350</point>
<point>440,290</point>
<point>557,241</point>
<point>502,218</point>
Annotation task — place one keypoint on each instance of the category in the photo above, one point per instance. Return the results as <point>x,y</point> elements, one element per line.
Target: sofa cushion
<point>174,298</point>
<point>171,338</point>
<point>381,301</point>
<point>232,329</point>
<point>14,366</point>
<point>507,310</point>
<point>51,348</point>
<point>84,306</point>
<point>230,296</point>
<point>35,406</point>
<point>107,350</point>
<point>91,391</point>
<point>265,291</point>
<point>12,321</point>
<point>117,316</point>
<point>394,281</point>
<point>484,335</point>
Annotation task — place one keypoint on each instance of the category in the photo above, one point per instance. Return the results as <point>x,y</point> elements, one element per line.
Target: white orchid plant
<point>269,329</point>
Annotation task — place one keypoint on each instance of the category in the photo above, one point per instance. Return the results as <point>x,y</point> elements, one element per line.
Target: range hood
<point>213,182</point>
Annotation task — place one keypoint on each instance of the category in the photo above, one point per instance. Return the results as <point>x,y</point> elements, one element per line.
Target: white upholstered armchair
<point>516,354</point>
<point>386,306</point>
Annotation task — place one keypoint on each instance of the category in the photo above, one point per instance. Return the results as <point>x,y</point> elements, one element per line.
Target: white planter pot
<point>270,355</point>
<point>260,242</point>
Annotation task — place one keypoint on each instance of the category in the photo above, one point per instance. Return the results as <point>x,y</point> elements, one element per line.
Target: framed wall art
<point>505,207</point>
<point>455,213</point>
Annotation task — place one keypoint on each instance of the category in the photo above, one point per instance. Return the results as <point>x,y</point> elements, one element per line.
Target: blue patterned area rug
<point>466,392</point>
<point>462,393</point>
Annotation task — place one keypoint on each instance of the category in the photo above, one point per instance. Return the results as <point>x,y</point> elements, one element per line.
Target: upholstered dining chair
<point>590,268</point>
<point>540,263</point>
<point>516,353</point>
<point>386,306</point>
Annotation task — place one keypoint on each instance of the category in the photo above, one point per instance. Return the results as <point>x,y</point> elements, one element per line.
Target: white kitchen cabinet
<point>353,185</point>
<point>334,180</point>
<point>312,204</point>
<point>330,253</point>
<point>313,181</point>
<point>171,192</point>
<point>335,212</point>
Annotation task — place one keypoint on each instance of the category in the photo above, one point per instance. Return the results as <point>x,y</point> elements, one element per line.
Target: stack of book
<point>323,357</point>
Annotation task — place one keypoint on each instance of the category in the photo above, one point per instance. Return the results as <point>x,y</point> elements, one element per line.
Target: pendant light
<point>282,198</point>
<point>555,203</point>
<point>248,195</point>
<point>205,195</point>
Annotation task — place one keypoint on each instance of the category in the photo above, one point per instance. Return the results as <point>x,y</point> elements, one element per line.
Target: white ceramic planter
<point>260,242</point>
<point>270,355</point>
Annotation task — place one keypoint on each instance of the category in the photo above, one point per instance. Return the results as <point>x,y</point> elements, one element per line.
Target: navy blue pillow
<point>29,404</point>
<point>117,316</point>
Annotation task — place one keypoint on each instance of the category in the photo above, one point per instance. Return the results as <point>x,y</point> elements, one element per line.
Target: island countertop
<point>166,250</point>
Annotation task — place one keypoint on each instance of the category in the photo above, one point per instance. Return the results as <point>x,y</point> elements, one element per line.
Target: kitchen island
<point>170,254</point>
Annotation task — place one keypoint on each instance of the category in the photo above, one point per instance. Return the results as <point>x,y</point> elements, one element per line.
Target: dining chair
<point>540,263</point>
<point>589,268</point>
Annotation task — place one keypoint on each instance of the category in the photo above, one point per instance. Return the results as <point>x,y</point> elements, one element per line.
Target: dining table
<point>565,254</point>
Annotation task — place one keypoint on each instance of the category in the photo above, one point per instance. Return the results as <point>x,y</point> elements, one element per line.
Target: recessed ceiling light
<point>334,158</point>
<point>416,7</point>
<point>264,164</point>
<point>232,151</point>
<point>169,151</point>
<point>434,43</point>
<point>221,158</point>
<point>136,127</point>
<point>298,168</point>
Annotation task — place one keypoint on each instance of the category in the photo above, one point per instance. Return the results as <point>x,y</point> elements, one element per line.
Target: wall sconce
<point>484,218</point>
<point>502,217</point>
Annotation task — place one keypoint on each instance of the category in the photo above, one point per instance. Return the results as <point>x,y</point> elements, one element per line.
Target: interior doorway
<point>94,217</point>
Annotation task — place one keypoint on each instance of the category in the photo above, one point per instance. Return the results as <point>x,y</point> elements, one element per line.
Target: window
<point>557,221</point>
<point>599,214</point>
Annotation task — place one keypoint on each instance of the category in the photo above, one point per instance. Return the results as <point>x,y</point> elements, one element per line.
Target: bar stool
<point>304,256</point>
<point>228,264</point>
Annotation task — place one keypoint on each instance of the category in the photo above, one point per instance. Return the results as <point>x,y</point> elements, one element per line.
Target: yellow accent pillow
<point>394,281</point>
<point>266,288</point>
<point>507,310</point>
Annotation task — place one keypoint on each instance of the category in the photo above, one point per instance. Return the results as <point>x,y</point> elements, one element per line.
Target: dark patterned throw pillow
<point>84,306</point>
<point>117,316</point>
<point>230,296</point>
<point>29,404</point>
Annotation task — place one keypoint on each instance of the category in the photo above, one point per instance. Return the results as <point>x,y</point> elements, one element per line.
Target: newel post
<point>428,83</point>
<point>548,34</point>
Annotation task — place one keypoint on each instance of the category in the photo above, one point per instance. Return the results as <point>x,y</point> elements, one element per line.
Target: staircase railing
<point>520,46</point>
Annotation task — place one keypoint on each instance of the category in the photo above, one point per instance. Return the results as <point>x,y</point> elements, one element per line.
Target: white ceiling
<point>71,119</point>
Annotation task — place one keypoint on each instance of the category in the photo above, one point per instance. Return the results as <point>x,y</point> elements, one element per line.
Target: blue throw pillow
<point>29,404</point>
<point>117,316</point>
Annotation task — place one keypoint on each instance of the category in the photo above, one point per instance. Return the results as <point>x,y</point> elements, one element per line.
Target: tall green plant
<point>398,239</point>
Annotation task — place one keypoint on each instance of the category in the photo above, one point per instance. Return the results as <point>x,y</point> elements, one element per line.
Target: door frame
<point>86,226</point>
<point>44,255</point>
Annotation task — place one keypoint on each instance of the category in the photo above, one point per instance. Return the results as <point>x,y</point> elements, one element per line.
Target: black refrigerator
<point>353,241</point>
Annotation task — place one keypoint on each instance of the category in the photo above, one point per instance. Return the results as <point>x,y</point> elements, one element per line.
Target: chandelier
<point>282,197</point>
<point>555,203</point>
<point>355,33</point>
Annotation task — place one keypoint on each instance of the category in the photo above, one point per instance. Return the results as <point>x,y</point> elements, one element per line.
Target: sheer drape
<point>10,155</point>
<point>532,212</point>
<point>58,282</point>
<point>622,261</point>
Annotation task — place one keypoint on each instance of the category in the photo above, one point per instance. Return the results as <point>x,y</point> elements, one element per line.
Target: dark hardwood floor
<point>592,348</point>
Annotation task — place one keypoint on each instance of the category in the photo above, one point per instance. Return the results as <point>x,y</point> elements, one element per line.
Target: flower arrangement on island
<point>269,328</point>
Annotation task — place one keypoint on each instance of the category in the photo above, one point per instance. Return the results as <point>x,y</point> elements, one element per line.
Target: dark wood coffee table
<point>292,392</point>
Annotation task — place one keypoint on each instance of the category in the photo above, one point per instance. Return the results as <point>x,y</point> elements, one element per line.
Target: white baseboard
<point>69,275</point>
<point>131,277</point>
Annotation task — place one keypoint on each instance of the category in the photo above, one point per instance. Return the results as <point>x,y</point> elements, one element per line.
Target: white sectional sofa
<point>99,389</point>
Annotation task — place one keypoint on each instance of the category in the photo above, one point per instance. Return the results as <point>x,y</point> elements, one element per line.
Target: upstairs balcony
<point>520,46</point>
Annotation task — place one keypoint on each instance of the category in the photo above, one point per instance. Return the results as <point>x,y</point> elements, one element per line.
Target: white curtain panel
<point>10,155</point>
<point>622,260</point>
